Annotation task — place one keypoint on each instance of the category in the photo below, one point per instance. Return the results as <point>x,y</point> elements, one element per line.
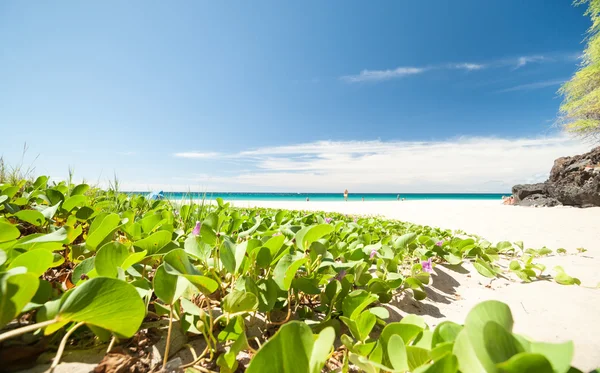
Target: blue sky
<point>289,96</point>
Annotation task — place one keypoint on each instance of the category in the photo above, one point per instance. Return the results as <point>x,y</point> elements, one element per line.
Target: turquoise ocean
<point>332,197</point>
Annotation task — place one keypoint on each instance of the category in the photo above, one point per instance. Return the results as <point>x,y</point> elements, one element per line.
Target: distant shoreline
<point>329,197</point>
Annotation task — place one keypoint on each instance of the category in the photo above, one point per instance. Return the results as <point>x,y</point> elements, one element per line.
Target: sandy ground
<point>543,310</point>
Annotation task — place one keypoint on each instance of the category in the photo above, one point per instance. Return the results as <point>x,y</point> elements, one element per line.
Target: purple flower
<point>439,243</point>
<point>427,266</point>
<point>340,275</point>
<point>373,252</point>
<point>196,230</point>
<point>277,234</point>
<point>328,220</point>
<point>355,220</point>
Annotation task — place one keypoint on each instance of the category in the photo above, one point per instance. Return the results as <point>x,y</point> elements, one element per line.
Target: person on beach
<point>398,197</point>
<point>307,199</point>
<point>363,199</point>
<point>346,195</point>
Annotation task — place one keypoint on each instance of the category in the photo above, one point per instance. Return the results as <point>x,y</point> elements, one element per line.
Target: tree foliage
<point>580,110</point>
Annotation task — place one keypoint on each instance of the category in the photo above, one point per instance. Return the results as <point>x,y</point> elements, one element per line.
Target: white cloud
<point>468,66</point>
<point>196,155</point>
<point>524,60</point>
<point>535,85</point>
<point>467,164</point>
<point>379,75</point>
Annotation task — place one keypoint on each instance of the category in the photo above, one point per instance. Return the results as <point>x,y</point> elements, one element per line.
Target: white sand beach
<point>543,310</point>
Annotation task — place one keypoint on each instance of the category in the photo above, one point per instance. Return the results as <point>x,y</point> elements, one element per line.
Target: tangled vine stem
<point>63,344</point>
<point>26,329</point>
<point>168,346</point>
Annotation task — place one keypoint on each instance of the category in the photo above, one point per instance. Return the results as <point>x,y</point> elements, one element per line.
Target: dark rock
<point>573,181</point>
<point>521,191</point>
<point>539,200</point>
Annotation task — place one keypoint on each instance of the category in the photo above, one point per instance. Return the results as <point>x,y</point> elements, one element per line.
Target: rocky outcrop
<point>573,181</point>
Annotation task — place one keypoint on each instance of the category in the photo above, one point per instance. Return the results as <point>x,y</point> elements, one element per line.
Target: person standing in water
<point>398,197</point>
<point>346,195</point>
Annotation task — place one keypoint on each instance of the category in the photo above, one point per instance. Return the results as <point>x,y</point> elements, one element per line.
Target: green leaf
<point>447,364</point>
<point>16,291</point>
<point>176,262</point>
<point>109,257</point>
<point>8,232</point>
<point>288,351</point>
<point>446,331</point>
<point>558,354</point>
<point>83,268</point>
<point>167,287</point>
<point>306,236</point>
<point>50,211</point>
<point>33,217</point>
<point>355,302</point>
<point>403,241</point>
<point>417,356</point>
<point>563,278</point>
<point>101,232</point>
<point>240,301</point>
<point>286,269</point>
<point>36,261</point>
<point>154,243</point>
<point>500,344</point>
<point>470,347</point>
<point>80,189</point>
<point>232,255</point>
<point>526,363</point>
<point>408,332</point>
<point>484,268</point>
<point>105,302</point>
<point>3,257</point>
<point>397,353</point>
<point>74,201</point>
<point>321,349</point>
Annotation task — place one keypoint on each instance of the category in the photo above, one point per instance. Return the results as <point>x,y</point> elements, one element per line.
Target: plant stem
<point>166,357</point>
<point>63,344</point>
<point>26,329</point>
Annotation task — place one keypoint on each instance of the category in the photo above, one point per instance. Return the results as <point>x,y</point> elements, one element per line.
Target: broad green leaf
<point>286,269</point>
<point>16,291</point>
<point>306,236</point>
<point>321,349</point>
<point>232,255</point>
<point>83,268</point>
<point>169,287</point>
<point>397,353</point>
<point>2,257</point>
<point>355,302</point>
<point>74,201</point>
<point>484,268</point>
<point>154,243</point>
<point>447,364</point>
<point>8,232</point>
<point>288,351</point>
<point>558,354</point>
<point>446,331</point>
<point>240,301</point>
<point>50,211</point>
<point>36,261</point>
<point>500,344</point>
<point>109,257</point>
<point>408,332</point>
<point>33,217</point>
<point>470,346</point>
<point>108,303</point>
<point>102,231</point>
<point>80,189</point>
<point>403,241</point>
<point>526,363</point>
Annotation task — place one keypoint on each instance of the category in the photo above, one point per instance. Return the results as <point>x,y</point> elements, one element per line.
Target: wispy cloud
<point>127,153</point>
<point>196,155</point>
<point>534,85</point>
<point>468,164</point>
<point>467,66</point>
<point>524,60</point>
<point>513,62</point>
<point>378,75</point>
